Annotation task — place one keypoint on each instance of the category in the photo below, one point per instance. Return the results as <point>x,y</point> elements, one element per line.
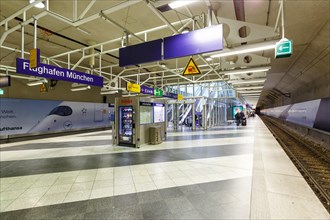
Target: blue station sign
<point>147,90</point>
<point>57,73</point>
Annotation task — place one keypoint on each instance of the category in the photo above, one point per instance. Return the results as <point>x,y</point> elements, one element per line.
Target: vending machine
<point>125,132</point>
<point>135,117</point>
<point>126,120</point>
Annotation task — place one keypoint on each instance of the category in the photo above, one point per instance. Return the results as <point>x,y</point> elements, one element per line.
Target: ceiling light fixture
<point>208,59</point>
<point>128,95</point>
<point>108,92</point>
<point>249,87</point>
<point>36,82</point>
<point>247,70</point>
<point>185,30</point>
<point>83,30</point>
<point>247,49</point>
<point>235,82</point>
<point>81,88</point>
<point>180,3</point>
<point>38,5</point>
<point>248,92</point>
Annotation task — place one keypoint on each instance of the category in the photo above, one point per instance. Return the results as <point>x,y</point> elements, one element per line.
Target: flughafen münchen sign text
<point>57,73</point>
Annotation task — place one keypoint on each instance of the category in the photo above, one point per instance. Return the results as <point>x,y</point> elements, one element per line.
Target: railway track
<point>312,161</point>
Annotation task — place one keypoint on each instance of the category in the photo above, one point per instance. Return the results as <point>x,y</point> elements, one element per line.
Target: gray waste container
<point>155,135</point>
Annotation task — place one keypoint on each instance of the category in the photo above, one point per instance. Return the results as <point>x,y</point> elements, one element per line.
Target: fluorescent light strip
<point>247,92</point>
<point>108,92</point>
<point>36,82</point>
<point>247,81</point>
<point>248,70</point>
<point>38,5</point>
<point>83,30</point>
<point>128,95</point>
<point>249,87</point>
<point>247,49</point>
<point>180,3</point>
<point>80,88</point>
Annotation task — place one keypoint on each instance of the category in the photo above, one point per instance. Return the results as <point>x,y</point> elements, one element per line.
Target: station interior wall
<point>317,89</point>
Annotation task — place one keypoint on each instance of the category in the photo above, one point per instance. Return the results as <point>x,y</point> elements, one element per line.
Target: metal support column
<point>22,45</point>
<point>204,117</point>
<point>193,117</point>
<point>35,34</point>
<point>177,116</point>
<point>216,115</point>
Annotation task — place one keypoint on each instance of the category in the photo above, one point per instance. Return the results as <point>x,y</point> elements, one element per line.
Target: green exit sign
<point>283,48</point>
<point>158,92</point>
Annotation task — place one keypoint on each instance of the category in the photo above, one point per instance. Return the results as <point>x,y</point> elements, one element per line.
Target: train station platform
<point>226,172</point>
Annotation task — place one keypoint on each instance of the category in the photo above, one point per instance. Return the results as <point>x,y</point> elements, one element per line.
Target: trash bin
<point>155,135</point>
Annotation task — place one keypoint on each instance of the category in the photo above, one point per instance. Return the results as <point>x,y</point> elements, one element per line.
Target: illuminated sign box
<point>141,53</point>
<point>5,81</point>
<point>133,87</point>
<point>195,42</point>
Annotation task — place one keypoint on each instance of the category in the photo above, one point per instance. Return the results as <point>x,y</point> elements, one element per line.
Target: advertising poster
<point>24,116</point>
<point>313,114</point>
<point>236,109</point>
<point>146,114</point>
<point>159,114</point>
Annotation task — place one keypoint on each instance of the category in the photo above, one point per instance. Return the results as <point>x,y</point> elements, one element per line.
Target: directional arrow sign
<point>283,48</point>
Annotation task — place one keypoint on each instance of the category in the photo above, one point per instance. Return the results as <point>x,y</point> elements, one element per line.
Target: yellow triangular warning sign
<point>43,88</point>
<point>191,68</point>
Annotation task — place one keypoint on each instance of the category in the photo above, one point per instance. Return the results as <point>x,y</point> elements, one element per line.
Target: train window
<point>61,110</point>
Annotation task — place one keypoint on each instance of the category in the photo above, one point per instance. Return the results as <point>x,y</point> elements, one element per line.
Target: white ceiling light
<point>248,92</point>
<point>36,82</point>
<point>80,88</point>
<point>246,81</point>
<point>248,70</point>
<point>185,30</point>
<point>180,3</point>
<point>163,65</point>
<point>38,5</point>
<point>128,95</point>
<point>83,31</point>
<point>208,59</point>
<point>247,49</point>
<point>108,92</point>
<point>249,87</point>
